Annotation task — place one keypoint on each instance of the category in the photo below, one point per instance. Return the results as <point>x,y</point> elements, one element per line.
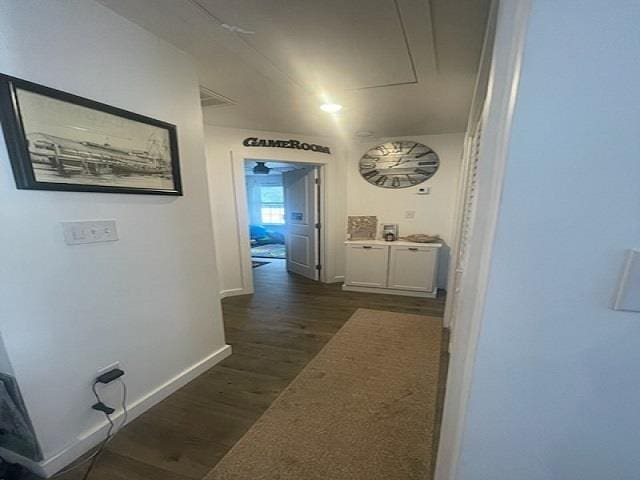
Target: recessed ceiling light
<point>236,29</point>
<point>330,107</point>
<point>364,133</point>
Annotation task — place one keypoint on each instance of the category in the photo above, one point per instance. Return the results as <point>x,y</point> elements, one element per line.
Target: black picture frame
<point>123,166</point>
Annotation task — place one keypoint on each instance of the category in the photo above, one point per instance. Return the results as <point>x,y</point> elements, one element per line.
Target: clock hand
<point>400,162</point>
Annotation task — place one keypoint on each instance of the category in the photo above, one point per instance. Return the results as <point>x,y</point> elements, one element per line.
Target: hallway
<point>274,334</point>
<point>179,176</point>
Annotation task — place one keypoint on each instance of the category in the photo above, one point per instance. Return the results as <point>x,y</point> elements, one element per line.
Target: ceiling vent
<point>209,98</point>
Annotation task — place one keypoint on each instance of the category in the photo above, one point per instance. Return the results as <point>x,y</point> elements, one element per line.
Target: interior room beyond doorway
<point>283,211</point>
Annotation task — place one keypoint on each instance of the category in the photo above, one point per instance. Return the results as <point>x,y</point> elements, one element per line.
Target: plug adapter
<point>101,407</point>
<point>110,376</point>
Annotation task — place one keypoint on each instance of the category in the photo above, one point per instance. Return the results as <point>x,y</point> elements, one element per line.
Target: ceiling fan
<point>261,169</point>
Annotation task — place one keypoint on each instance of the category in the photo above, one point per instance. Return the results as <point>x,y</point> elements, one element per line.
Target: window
<point>272,205</point>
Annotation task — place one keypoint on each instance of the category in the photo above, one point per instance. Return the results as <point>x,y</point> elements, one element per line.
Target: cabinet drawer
<point>367,265</point>
<point>413,268</point>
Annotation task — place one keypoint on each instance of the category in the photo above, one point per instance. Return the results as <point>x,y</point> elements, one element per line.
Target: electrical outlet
<point>108,368</point>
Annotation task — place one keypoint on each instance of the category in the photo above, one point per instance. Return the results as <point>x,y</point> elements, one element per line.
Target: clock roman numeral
<point>370,174</point>
<point>420,155</point>
<point>383,150</point>
<point>382,180</point>
<point>412,181</point>
<point>395,182</point>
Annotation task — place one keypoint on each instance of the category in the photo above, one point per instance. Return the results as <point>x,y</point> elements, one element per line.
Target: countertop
<point>399,243</point>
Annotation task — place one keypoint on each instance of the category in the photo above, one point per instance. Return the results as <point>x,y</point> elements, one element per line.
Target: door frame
<point>506,63</point>
<point>242,214</point>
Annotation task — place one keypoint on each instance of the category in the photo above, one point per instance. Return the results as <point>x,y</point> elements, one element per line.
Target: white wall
<point>555,391</point>
<point>5,363</point>
<point>148,300</point>
<point>224,145</point>
<point>434,213</point>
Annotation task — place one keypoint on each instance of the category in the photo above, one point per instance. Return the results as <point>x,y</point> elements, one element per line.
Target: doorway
<point>283,213</point>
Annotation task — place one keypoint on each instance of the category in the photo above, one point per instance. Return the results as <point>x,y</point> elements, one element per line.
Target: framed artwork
<point>362,227</point>
<point>59,141</point>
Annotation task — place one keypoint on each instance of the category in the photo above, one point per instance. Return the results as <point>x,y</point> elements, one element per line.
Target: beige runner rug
<point>362,409</point>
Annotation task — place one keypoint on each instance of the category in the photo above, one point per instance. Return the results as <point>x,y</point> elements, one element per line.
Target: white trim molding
<point>511,28</point>
<point>475,113</point>
<point>390,291</point>
<point>232,292</point>
<point>242,218</point>
<point>242,223</point>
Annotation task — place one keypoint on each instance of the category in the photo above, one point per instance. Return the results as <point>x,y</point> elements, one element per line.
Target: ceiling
<point>399,67</point>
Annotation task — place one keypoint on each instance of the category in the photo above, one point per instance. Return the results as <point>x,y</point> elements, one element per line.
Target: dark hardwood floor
<point>274,333</point>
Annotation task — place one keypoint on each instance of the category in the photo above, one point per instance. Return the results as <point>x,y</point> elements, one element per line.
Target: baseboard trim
<point>337,279</point>
<point>91,438</point>
<point>391,291</point>
<point>232,292</point>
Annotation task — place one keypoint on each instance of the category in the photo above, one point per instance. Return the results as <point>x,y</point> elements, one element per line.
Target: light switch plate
<point>628,294</point>
<point>93,231</point>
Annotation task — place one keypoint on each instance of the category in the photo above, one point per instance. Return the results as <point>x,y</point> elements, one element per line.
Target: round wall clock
<point>399,164</point>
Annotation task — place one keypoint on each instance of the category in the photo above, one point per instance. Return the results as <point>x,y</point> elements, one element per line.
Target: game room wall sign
<point>297,144</point>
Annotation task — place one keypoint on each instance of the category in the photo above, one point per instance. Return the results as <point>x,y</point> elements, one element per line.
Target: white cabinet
<point>397,268</point>
<point>412,268</point>
<point>367,265</point>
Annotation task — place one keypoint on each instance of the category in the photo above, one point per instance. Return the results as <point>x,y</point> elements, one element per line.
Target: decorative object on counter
<point>391,228</point>
<point>389,237</point>
<point>362,227</point>
<point>423,238</point>
<point>399,164</point>
<point>59,141</point>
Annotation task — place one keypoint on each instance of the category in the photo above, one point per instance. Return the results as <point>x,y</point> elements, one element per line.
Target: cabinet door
<point>413,268</point>
<point>367,265</point>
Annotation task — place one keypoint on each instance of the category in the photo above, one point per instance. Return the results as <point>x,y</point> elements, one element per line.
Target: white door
<point>367,265</point>
<point>413,268</point>
<point>301,211</point>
